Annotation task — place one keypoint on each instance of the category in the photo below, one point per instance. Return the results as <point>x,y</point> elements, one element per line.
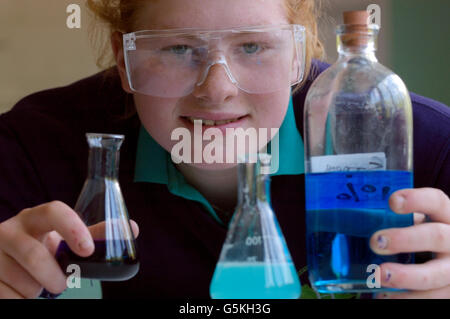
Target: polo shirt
<point>44,158</point>
<point>154,164</point>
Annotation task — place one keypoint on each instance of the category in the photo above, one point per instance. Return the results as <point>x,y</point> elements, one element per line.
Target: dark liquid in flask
<point>97,266</point>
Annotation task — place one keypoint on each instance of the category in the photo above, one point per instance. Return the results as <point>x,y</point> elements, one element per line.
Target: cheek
<point>270,109</point>
<point>157,118</point>
<point>268,113</point>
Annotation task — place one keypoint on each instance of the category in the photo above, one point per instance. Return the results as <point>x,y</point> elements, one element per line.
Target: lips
<point>221,121</point>
<point>209,122</point>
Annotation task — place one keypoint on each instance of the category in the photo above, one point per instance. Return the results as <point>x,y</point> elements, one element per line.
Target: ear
<point>117,47</point>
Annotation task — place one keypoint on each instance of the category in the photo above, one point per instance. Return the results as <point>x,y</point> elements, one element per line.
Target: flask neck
<point>357,40</point>
<point>103,163</point>
<point>104,155</point>
<point>253,182</point>
<point>262,187</point>
<point>247,175</point>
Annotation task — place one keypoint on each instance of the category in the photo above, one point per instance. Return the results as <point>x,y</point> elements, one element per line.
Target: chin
<point>213,166</point>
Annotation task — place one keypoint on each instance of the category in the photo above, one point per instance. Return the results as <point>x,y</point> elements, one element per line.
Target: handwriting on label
<point>365,189</point>
<point>348,162</point>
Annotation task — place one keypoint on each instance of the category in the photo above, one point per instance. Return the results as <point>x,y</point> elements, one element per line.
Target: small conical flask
<point>101,203</point>
<point>255,262</point>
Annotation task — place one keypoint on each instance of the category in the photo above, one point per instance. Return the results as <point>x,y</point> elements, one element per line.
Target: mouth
<point>213,123</point>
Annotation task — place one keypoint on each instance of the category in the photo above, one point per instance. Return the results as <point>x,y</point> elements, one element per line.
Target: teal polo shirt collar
<point>154,163</point>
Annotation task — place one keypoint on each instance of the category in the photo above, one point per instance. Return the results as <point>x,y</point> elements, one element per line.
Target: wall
<point>421,46</point>
<point>37,50</point>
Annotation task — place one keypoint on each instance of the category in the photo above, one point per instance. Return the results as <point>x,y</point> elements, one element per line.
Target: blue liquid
<point>344,209</point>
<point>255,280</point>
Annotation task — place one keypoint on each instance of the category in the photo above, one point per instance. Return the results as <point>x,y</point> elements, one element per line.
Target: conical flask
<point>255,262</point>
<point>101,203</point>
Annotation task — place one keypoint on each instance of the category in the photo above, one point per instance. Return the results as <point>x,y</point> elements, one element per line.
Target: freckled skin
<point>161,116</point>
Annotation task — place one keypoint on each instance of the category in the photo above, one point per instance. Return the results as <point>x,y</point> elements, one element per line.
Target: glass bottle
<point>101,203</point>
<point>254,262</point>
<point>358,151</point>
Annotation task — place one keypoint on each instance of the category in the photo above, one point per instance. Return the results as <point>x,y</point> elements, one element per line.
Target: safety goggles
<point>171,63</point>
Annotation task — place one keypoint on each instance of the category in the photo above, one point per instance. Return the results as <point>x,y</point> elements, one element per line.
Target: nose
<point>217,84</point>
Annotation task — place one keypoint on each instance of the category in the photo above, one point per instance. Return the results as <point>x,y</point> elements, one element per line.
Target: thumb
<point>98,230</point>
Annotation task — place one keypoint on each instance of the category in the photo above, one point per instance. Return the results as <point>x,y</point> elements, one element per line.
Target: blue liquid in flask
<point>255,280</point>
<point>255,262</point>
<point>344,209</point>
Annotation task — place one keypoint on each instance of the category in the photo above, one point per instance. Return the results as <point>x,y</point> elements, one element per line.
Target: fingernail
<point>382,242</point>
<point>85,244</point>
<point>388,276</point>
<point>399,202</point>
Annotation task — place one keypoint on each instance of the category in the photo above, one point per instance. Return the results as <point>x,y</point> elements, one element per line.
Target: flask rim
<point>104,135</point>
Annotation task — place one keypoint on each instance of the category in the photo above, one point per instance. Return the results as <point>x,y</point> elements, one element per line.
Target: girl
<point>182,209</point>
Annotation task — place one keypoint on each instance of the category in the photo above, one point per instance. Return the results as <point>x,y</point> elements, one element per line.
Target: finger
<point>430,201</point>
<point>434,274</point>
<point>419,218</point>
<point>434,237</point>
<point>61,218</point>
<point>52,241</point>
<point>14,275</point>
<point>134,228</point>
<point>98,230</point>
<point>6,292</point>
<point>35,258</point>
<point>441,293</point>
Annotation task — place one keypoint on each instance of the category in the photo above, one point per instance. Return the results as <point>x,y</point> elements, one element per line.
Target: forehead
<point>210,14</point>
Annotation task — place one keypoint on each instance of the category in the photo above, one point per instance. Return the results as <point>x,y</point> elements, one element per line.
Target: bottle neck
<point>357,40</point>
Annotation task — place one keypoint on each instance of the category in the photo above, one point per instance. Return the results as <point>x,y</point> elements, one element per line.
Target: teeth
<point>211,122</point>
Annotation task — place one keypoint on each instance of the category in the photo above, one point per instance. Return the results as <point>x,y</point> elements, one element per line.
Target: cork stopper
<point>357,28</point>
<point>356,17</point>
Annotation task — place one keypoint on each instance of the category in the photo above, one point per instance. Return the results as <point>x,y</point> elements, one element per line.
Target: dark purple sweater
<point>44,157</point>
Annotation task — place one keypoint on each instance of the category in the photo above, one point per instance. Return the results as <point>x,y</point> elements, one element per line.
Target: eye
<point>179,49</point>
<point>251,48</point>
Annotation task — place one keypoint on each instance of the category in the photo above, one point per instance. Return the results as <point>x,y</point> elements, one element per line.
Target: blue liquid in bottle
<point>344,209</point>
<point>255,280</point>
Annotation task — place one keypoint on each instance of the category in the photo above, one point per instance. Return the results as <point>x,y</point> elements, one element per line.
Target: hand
<point>28,243</point>
<point>430,279</point>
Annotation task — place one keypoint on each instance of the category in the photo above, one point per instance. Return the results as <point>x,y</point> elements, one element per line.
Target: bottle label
<point>352,181</point>
<point>363,190</point>
<point>349,162</point>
